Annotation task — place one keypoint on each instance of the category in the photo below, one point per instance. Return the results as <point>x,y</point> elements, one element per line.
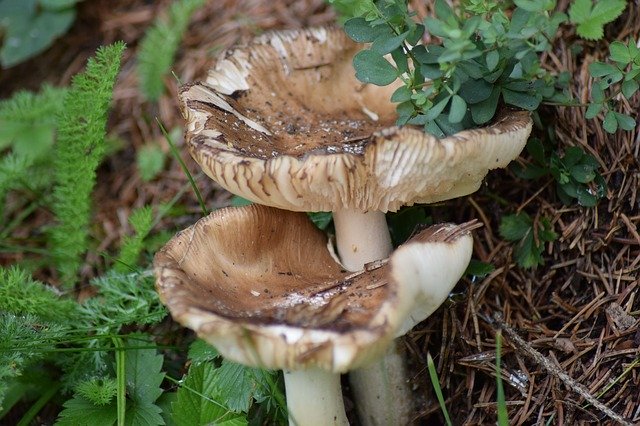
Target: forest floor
<point>570,326</point>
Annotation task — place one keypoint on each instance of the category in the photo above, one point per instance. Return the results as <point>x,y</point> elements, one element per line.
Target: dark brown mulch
<point>570,327</point>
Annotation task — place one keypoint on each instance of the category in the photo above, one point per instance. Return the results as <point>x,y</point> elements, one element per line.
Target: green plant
<point>142,221</point>
<point>93,402</point>
<point>79,150</point>
<point>28,27</point>
<point>433,375</point>
<point>159,46</point>
<point>27,134</point>
<point>530,237</point>
<point>590,18</point>
<point>620,77</point>
<point>150,160</point>
<point>483,58</point>
<point>575,172</point>
<point>503,415</point>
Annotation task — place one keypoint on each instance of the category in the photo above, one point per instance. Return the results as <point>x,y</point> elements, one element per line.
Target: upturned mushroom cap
<point>261,285</point>
<point>282,121</point>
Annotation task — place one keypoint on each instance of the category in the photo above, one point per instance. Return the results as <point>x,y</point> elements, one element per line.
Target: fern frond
<point>21,295</point>
<point>123,299</point>
<point>159,46</point>
<point>141,220</point>
<point>79,151</point>
<point>28,120</point>
<point>24,339</point>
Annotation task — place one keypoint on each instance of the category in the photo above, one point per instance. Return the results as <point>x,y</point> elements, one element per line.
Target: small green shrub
<point>529,237</point>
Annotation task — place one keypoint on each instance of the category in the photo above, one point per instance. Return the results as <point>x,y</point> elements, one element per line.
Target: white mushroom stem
<point>381,390</point>
<point>314,398</point>
<point>361,237</point>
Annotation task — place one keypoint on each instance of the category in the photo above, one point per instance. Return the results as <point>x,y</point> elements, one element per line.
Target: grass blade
<point>433,374</point>
<point>503,416</point>
<point>176,154</point>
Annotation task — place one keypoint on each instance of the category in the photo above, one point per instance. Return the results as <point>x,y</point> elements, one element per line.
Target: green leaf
<point>582,173</point>
<point>591,19</point>
<point>625,122</point>
<point>143,371</point>
<point>361,31</point>
<point>373,68</point>
<point>479,269</point>
<point>437,109</point>
<point>401,94</point>
<point>492,59</point>
<point>474,91</point>
<point>238,384</point>
<point>444,11</point>
<point>535,5</point>
<point>536,149</point>
<point>522,100</point>
<point>597,93</point>
<point>386,44</point>
<point>593,110</point>
<point>610,123</point>
<point>201,351</point>
<point>400,59</point>
<point>514,227</point>
<point>586,199</point>
<point>198,401</point>
<point>483,112</point>
<point>320,219</point>
<point>80,411</point>
<point>436,27</point>
<point>143,414</point>
<point>629,87</point>
<point>150,161</point>
<point>619,52</point>
<point>601,69</point>
<point>29,34</point>
<point>457,110</point>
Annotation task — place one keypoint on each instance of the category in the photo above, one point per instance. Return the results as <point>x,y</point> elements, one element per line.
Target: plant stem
<point>381,390</point>
<point>37,406</point>
<point>314,398</point>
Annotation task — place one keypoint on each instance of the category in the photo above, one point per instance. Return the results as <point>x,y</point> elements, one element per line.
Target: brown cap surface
<point>283,122</point>
<point>261,285</point>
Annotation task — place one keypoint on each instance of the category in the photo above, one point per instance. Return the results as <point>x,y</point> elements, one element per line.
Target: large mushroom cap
<point>261,285</point>
<point>282,121</point>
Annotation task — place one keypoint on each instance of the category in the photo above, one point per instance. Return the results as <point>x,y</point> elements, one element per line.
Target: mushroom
<point>262,286</point>
<point>283,122</point>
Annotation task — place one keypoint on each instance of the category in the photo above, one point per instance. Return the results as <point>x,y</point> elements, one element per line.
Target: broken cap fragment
<point>262,286</point>
<point>283,122</point>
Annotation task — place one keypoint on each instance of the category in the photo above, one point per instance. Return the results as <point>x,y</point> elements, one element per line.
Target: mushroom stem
<point>381,389</point>
<point>361,237</point>
<point>314,398</point>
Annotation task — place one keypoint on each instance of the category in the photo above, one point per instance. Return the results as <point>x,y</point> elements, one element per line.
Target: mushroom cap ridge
<point>283,122</point>
<point>261,285</point>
